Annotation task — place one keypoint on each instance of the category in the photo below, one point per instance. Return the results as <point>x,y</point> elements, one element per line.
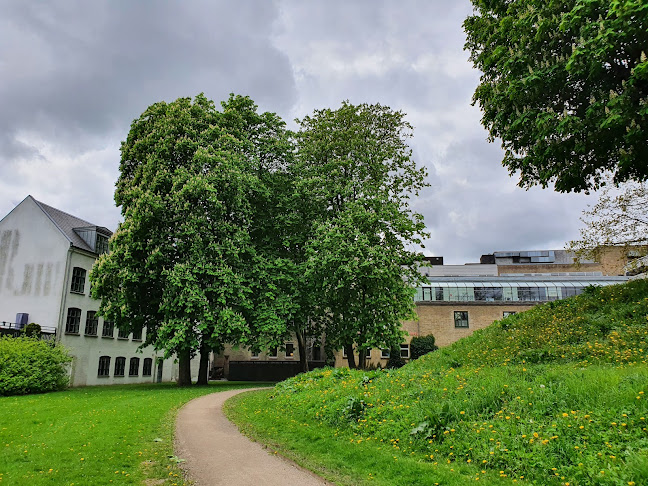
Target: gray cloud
<point>75,74</point>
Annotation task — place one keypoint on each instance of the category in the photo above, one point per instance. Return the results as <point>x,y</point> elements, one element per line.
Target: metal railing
<point>16,330</point>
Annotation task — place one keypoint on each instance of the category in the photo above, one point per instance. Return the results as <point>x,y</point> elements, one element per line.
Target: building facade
<point>45,259</point>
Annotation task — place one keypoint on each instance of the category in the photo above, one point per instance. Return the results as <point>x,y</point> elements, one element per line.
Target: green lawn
<point>553,396</point>
<point>94,435</point>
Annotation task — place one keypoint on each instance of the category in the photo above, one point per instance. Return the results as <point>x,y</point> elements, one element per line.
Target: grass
<point>552,396</point>
<point>94,435</point>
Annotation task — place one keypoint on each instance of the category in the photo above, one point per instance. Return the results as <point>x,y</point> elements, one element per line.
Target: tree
<point>422,345</point>
<point>564,85</point>
<point>357,169</point>
<point>180,262</point>
<point>618,219</point>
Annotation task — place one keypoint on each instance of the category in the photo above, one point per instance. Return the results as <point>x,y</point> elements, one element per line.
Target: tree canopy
<point>564,85</point>
<point>357,168</point>
<point>238,231</point>
<point>180,262</point>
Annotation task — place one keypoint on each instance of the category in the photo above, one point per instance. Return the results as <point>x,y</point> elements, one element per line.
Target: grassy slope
<point>555,395</point>
<point>94,435</point>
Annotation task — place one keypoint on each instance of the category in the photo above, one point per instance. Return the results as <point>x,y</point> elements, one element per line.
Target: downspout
<point>59,332</point>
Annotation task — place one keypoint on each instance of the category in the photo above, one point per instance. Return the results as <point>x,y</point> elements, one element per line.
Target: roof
<point>66,223</point>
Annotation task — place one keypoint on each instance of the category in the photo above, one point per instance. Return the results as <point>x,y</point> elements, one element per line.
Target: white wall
<point>32,265</point>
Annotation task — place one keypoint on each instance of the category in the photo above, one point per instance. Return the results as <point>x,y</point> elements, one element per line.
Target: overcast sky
<point>74,74</point>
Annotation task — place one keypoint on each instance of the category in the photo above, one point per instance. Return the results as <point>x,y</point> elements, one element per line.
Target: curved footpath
<point>217,453</point>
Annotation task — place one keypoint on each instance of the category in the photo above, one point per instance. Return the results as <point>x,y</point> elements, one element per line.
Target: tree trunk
<point>303,353</point>
<point>350,356</point>
<point>362,359</point>
<point>184,367</point>
<point>204,365</point>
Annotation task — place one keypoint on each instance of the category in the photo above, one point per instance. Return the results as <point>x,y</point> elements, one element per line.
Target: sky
<point>75,74</point>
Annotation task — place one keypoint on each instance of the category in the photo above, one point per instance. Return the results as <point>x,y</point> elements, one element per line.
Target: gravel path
<point>217,453</point>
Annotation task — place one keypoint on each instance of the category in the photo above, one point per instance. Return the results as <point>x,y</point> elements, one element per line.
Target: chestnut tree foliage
<point>356,167</point>
<point>236,230</point>
<point>564,85</point>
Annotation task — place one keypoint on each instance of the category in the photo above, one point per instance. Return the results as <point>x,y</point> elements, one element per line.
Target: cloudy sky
<point>74,74</point>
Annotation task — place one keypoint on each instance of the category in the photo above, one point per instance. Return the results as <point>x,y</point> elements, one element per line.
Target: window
<point>92,322</point>
<point>508,313</point>
<point>133,369</point>
<point>290,350</point>
<point>148,367</point>
<point>104,366</point>
<point>368,355</point>
<point>404,350</point>
<point>120,365</point>
<point>384,353</point>
<point>571,291</point>
<point>344,353</point>
<point>254,354</point>
<point>123,334</point>
<point>108,329</point>
<point>461,318</point>
<point>78,280</point>
<point>488,294</point>
<point>532,293</point>
<point>73,321</point>
<point>316,352</point>
<point>137,335</point>
<point>272,352</point>
<point>101,246</point>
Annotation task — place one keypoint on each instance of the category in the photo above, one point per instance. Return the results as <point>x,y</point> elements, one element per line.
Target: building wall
<point>33,254</point>
<point>437,318</point>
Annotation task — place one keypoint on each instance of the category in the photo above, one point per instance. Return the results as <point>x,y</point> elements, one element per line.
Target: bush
<point>420,345</point>
<point>395,358</point>
<point>33,330</point>
<point>29,365</point>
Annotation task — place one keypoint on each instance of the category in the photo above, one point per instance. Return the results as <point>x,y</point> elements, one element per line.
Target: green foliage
<point>395,359</point>
<point>33,330</point>
<point>29,365</point>
<point>552,395</point>
<point>564,85</point>
<point>183,263</point>
<point>357,172</point>
<point>421,345</point>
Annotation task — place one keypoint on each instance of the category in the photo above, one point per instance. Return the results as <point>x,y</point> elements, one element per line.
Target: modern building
<point>459,299</point>
<point>45,258</point>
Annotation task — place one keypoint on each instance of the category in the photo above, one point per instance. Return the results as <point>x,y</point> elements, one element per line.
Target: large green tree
<point>565,87</point>
<point>181,262</point>
<point>357,170</point>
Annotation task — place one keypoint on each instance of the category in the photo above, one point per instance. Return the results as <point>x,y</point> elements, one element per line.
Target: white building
<point>45,258</point>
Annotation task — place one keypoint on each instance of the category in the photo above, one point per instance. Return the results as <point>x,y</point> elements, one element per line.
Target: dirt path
<point>217,453</point>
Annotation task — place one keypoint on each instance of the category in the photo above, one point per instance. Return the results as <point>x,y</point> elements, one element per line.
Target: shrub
<point>395,358</point>
<point>33,330</point>
<point>420,345</point>
<point>29,365</point>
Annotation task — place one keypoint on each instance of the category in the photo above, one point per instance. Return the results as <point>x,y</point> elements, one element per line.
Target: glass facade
<point>460,290</point>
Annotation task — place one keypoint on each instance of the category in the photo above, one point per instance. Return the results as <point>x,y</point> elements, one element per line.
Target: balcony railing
<point>16,330</point>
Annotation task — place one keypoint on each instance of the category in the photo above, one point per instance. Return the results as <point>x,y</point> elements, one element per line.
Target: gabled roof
<point>66,223</point>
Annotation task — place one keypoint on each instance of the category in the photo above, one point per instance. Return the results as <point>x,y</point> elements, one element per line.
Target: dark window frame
<point>120,366</point>
<point>73,320</point>
<point>92,323</point>
<point>147,367</point>
<point>108,329</point>
<point>78,280</point>
<point>461,317</point>
<point>133,367</point>
<point>103,371</point>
